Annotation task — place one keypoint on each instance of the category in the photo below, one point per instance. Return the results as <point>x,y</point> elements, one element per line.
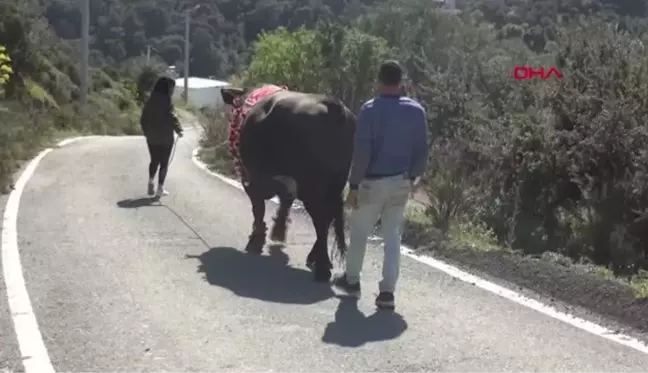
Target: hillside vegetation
<point>221,30</point>
<point>39,90</point>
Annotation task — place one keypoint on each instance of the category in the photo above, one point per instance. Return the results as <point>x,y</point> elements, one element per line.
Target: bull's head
<point>233,96</point>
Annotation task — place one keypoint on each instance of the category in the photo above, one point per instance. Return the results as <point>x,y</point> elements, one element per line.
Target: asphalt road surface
<point>118,285</point>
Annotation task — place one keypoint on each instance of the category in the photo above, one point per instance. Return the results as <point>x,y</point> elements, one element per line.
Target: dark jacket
<point>158,120</point>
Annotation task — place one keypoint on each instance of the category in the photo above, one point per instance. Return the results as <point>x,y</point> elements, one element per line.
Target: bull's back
<point>292,132</point>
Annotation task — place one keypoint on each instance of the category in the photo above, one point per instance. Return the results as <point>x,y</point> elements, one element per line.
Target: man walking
<point>390,154</point>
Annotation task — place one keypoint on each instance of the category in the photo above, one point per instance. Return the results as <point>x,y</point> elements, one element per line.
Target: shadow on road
<point>351,328</point>
<point>137,202</point>
<point>264,277</point>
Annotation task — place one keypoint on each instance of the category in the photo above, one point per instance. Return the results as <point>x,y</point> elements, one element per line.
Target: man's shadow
<point>265,277</point>
<point>138,202</point>
<point>351,328</point>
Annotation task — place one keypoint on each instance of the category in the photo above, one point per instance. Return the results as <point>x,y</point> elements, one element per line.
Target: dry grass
<point>26,129</point>
<point>214,147</point>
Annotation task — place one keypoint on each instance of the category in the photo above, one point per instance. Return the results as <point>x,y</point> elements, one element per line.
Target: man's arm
<point>177,127</point>
<point>362,148</point>
<point>420,146</point>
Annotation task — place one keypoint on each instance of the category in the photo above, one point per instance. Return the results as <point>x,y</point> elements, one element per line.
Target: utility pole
<point>148,54</point>
<point>185,93</point>
<point>85,51</point>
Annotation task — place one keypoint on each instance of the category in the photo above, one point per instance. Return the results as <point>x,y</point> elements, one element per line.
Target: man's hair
<point>390,73</point>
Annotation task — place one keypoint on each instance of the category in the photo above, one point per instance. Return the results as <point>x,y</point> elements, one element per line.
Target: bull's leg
<point>257,238</point>
<point>287,192</point>
<point>280,226</point>
<point>318,258</point>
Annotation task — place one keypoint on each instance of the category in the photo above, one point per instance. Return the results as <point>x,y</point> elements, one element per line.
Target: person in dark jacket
<point>159,122</point>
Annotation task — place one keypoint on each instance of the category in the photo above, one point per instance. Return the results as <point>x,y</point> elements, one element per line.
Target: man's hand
<point>352,199</point>
<point>180,134</point>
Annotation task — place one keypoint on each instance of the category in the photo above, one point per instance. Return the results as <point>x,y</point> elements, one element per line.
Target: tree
<point>145,80</point>
<point>329,59</point>
<point>122,29</point>
<point>600,113</point>
<point>286,58</point>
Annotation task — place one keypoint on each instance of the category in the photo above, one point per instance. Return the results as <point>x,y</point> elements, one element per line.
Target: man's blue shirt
<point>391,138</point>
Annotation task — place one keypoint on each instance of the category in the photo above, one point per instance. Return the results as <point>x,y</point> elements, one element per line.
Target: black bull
<point>297,146</point>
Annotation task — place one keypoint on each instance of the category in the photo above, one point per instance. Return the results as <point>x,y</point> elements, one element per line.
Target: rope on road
<point>175,142</point>
<point>187,224</point>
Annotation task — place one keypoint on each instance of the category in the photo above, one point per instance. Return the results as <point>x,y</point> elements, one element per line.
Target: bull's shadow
<point>264,277</point>
<point>351,328</point>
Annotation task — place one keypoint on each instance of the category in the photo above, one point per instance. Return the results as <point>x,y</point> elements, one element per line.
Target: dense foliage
<point>221,30</point>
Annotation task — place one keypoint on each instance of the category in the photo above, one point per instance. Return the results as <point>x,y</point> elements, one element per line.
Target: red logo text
<point>530,72</point>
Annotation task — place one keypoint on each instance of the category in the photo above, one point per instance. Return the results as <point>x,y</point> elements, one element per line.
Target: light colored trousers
<point>385,199</point>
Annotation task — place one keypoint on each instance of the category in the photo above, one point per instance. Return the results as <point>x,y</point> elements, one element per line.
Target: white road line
<point>511,295</point>
<point>73,139</point>
<point>30,341</point>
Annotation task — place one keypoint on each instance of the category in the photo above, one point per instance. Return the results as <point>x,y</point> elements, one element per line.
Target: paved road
<point>167,288</point>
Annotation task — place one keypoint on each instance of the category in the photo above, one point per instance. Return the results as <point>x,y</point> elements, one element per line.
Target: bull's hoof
<point>255,244</point>
<point>322,274</point>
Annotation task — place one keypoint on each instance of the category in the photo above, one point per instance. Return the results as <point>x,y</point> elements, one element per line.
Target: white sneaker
<point>161,192</point>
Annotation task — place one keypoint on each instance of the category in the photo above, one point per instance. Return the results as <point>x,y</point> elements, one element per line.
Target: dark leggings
<point>159,157</point>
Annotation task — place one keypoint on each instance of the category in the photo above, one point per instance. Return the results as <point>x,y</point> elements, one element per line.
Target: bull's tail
<point>338,227</point>
<point>348,118</point>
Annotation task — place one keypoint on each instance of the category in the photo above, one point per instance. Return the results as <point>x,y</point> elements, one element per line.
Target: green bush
<point>332,59</point>
<point>214,142</point>
<point>19,142</point>
<point>38,90</point>
<point>5,68</point>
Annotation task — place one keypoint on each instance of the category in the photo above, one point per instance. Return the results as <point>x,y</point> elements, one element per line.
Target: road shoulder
<point>573,289</point>
<point>10,360</point>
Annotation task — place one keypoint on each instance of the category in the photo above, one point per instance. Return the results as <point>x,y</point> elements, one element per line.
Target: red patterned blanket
<point>239,112</point>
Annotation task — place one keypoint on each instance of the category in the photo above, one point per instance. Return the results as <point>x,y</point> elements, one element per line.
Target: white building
<point>202,92</point>
<point>171,72</point>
